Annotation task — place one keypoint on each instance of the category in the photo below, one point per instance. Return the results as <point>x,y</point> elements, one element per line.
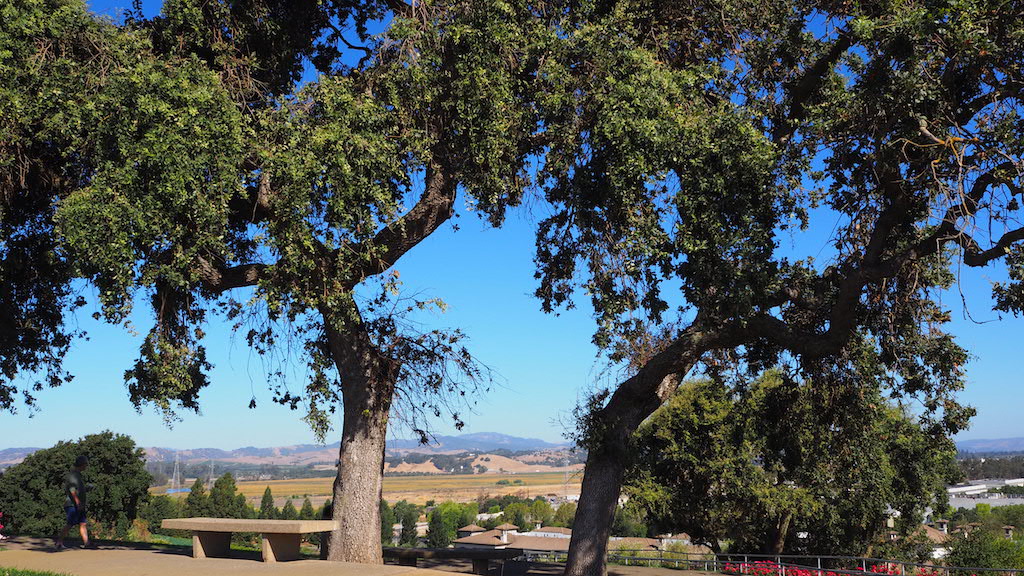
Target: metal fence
<point>779,564</point>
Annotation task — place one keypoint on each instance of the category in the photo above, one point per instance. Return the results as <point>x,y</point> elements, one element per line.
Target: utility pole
<point>176,478</point>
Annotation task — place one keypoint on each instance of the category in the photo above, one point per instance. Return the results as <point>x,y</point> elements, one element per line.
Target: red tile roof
<point>934,536</point>
<point>489,538</point>
<point>539,543</point>
<point>472,528</point>
<point>507,526</point>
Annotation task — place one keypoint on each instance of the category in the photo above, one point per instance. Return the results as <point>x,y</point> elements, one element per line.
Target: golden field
<point>419,489</point>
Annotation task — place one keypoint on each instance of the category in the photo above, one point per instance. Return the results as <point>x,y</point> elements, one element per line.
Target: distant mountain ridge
<point>320,454</point>
<point>303,454</point>
<point>477,441</point>
<point>14,455</point>
<point>991,445</point>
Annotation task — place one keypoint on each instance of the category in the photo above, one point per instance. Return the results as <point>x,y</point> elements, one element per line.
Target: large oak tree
<point>694,142</point>
<point>182,157</point>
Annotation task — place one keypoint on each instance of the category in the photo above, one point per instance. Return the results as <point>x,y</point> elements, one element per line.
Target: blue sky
<point>545,363</point>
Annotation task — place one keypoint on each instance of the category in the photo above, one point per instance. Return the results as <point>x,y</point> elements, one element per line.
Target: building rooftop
<point>555,530</point>
<point>488,538</point>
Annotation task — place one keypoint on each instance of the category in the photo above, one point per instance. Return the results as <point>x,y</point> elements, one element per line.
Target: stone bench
<point>211,537</point>
<point>481,557</point>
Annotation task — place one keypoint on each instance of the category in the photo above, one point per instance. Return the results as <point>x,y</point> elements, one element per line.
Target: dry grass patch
<point>458,487</point>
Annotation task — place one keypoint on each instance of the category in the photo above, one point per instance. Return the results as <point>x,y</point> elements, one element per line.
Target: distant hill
<point>300,454</point>
<point>989,446</point>
<point>307,454</point>
<point>479,441</point>
<point>304,454</point>
<point>11,456</point>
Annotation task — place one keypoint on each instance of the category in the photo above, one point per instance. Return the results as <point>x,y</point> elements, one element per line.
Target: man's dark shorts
<point>75,516</point>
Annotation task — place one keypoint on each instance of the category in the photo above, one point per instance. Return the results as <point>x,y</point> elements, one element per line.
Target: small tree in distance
<point>408,514</point>
<point>197,503</point>
<point>387,524</point>
<point>439,534</point>
<point>267,508</point>
<point>307,512</point>
<point>565,515</point>
<point>983,549</point>
<point>224,502</point>
<point>288,511</point>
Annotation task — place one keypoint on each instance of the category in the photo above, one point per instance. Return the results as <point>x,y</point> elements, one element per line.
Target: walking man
<point>75,502</point>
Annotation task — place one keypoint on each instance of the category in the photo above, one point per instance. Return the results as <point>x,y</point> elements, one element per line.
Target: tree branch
<point>435,206</point>
<point>975,257</point>
<point>219,279</point>
<point>806,87</point>
<point>947,231</point>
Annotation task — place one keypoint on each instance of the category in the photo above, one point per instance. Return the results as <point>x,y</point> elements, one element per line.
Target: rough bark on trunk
<point>369,378</point>
<point>779,534</point>
<point>367,390</point>
<point>632,402</point>
<point>599,496</point>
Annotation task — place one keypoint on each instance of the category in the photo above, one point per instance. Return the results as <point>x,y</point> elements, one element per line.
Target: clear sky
<point>545,363</point>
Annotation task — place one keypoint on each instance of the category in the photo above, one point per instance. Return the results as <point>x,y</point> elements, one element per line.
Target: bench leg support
<point>281,547</point>
<point>211,544</point>
<point>481,566</point>
<point>407,561</point>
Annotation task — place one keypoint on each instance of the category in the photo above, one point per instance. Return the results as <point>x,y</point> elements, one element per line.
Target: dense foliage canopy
<point>778,458</point>
<point>179,158</point>
<point>985,549</point>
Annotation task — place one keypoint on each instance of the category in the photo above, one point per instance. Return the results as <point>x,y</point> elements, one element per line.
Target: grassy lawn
<point>171,540</point>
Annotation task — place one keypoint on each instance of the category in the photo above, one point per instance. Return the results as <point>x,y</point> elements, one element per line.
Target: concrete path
<point>107,560</point>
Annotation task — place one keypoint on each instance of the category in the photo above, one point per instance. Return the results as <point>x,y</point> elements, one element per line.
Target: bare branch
<point>975,257</point>
<point>947,231</point>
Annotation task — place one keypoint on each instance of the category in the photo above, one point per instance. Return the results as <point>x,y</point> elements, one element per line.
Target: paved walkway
<point>109,560</point>
<point>127,560</point>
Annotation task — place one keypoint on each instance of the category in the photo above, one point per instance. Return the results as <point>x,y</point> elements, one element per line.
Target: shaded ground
<point>127,559</point>
<point>117,559</point>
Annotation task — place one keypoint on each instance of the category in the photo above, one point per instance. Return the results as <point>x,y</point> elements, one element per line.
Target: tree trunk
<point>595,513</point>
<point>632,402</point>
<point>368,385</point>
<point>778,541</point>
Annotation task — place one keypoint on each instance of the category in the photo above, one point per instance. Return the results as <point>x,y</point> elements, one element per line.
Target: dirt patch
<point>427,467</point>
<point>523,464</point>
